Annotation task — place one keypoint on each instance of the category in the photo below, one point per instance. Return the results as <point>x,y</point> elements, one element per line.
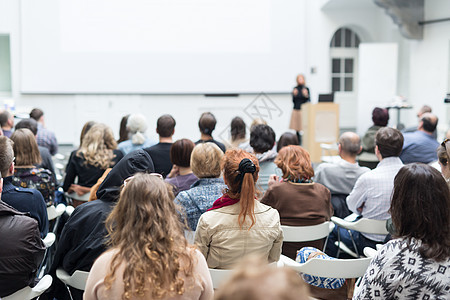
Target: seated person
<point>45,138</point>
<point>136,126</point>
<point>26,174</point>
<point>237,132</point>
<point>146,206</point>
<point>262,140</point>
<point>207,124</point>
<point>340,177</point>
<point>416,264</point>
<point>181,176</point>
<point>23,199</point>
<point>299,200</point>
<point>160,153</point>
<point>237,217</point>
<point>205,163</point>
<point>286,139</point>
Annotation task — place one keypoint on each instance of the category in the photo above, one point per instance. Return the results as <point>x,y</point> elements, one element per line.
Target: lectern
<point>320,125</point>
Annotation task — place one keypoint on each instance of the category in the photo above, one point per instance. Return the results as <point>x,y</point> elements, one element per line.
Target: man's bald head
<point>428,122</point>
<point>350,143</point>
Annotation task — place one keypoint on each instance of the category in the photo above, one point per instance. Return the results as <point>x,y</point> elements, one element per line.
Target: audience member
<point>207,124</point>
<point>287,139</point>
<point>443,153</point>
<point>23,199</point>
<point>340,176</point>
<point>181,176</point>
<point>420,145</point>
<point>157,265</point>
<point>415,265</point>
<point>136,126</point>
<point>299,201</point>
<point>237,224</point>
<point>246,145</point>
<point>22,249</point>
<point>46,157</point>
<point>123,131</point>
<point>424,109</point>
<point>86,127</point>
<point>7,123</point>
<point>371,195</point>
<point>237,131</point>
<point>26,174</point>
<point>45,137</point>
<point>254,280</point>
<point>97,153</point>
<point>262,140</point>
<point>380,118</point>
<point>205,163</point>
<point>83,237</point>
<point>160,153</point>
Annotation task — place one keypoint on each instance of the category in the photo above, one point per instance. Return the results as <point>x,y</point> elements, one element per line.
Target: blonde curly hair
<point>97,146</point>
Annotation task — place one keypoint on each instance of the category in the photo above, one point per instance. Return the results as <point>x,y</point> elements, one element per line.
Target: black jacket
<point>21,250</point>
<point>83,237</point>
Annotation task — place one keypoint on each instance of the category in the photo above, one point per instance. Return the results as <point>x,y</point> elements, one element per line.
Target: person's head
<point>25,148</point>
<point>37,114</point>
<point>254,279</point>
<point>205,160</point>
<point>262,138</point>
<point>420,209</point>
<point>240,172</point>
<point>424,109</point>
<point>137,125</point>
<point>380,116</point>
<point>389,142</point>
<point>85,129</point>
<point>237,129</point>
<point>97,146</point>
<point>207,123</point>
<point>165,126</point>
<point>6,119</point>
<point>180,153</point>
<point>350,144</point>
<point>29,123</point>
<point>145,230</point>
<point>295,163</point>
<point>300,79</point>
<point>443,153</point>
<point>428,122</point>
<point>123,131</point>
<point>286,139</point>
<point>6,156</point>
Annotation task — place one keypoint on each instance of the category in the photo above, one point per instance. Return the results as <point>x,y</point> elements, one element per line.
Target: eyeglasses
<point>126,181</point>
<point>444,142</point>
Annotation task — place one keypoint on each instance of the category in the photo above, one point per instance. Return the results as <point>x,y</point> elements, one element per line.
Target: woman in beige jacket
<point>238,224</point>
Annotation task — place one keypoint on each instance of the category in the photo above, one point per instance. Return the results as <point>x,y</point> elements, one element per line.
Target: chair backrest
<point>49,239</point>
<point>334,268</point>
<point>54,212</point>
<point>305,233</point>
<point>77,279</point>
<point>218,276</point>
<point>30,293</point>
<point>363,225</point>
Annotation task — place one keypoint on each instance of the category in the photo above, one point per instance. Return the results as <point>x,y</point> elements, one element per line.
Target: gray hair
<point>137,125</point>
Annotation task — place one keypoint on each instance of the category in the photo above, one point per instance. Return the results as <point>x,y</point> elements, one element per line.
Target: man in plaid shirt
<point>45,137</point>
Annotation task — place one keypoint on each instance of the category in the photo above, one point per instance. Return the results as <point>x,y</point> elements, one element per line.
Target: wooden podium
<point>320,125</point>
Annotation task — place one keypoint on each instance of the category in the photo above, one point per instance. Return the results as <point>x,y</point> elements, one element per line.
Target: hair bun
<point>246,166</point>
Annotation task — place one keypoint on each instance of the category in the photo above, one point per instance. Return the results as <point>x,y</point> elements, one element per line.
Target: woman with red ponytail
<point>238,224</point>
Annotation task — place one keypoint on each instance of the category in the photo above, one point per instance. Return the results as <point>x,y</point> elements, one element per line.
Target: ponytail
<point>247,200</point>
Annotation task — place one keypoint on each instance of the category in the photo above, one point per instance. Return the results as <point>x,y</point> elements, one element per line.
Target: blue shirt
<point>128,146</point>
<point>200,198</point>
<point>419,147</point>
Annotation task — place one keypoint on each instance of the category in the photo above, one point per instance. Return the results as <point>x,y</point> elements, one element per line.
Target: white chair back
<point>54,212</point>
<point>77,280</point>
<point>28,293</point>
<point>363,225</point>
<point>49,239</point>
<point>218,276</point>
<point>305,233</point>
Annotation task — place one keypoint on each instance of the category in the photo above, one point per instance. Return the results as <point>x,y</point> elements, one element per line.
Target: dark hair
<point>443,152</point>
<point>389,142</point>
<point>420,209</point>
<point>85,129</point>
<point>262,138</point>
<point>207,123</point>
<point>29,123</point>
<point>237,128</point>
<point>380,116</point>
<point>428,124</point>
<point>4,117</point>
<point>287,139</point>
<point>165,126</point>
<point>123,131</point>
<point>180,153</point>
<point>36,113</point>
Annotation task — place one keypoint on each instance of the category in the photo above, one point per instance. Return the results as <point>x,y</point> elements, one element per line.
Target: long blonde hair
<point>145,229</point>
<point>97,146</point>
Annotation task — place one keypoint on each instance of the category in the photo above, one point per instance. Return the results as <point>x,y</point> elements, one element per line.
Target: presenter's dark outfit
<point>296,117</point>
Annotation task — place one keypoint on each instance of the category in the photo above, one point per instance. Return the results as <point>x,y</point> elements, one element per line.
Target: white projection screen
<point>161,46</point>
